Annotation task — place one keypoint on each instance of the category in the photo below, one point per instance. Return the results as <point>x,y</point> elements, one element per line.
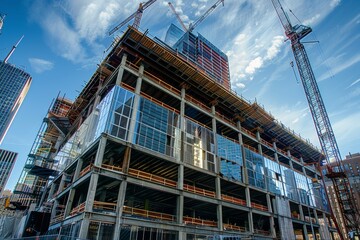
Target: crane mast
<point>325,133</point>
<point>137,15</point>
<point>193,25</point>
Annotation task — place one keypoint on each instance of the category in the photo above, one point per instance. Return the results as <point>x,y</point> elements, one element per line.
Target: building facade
<point>156,149</point>
<point>201,52</point>
<point>7,161</point>
<point>14,85</point>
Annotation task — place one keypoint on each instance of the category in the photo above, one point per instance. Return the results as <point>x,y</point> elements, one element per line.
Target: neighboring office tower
<point>157,149</point>
<point>201,52</point>
<point>14,85</point>
<point>7,161</point>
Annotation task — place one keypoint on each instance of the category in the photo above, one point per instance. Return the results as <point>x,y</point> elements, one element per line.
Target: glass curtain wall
<point>255,169</point>
<point>157,129</point>
<point>230,157</point>
<point>199,146</point>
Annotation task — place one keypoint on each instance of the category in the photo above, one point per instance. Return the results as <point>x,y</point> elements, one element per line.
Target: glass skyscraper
<point>14,85</point>
<point>7,161</point>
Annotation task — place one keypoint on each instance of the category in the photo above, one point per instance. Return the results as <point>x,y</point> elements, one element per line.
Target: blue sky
<point>65,40</point>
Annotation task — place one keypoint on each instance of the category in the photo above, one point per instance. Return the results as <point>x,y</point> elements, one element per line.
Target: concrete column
<point>69,202</point>
<point>135,104</point>
<point>51,191</point>
<point>126,162</point>
<point>182,235</point>
<point>54,207</point>
<point>243,169</point>
<point>248,197</point>
<point>272,223</point>
<point>258,138</point>
<point>85,223</point>
<point>180,183</point>
<point>180,209</point>
<point>62,182</point>
<point>251,222</point>
<point>119,209</point>
<point>90,197</point>
<point>78,169</point>
<point>220,218</point>
<point>121,70</point>
<point>182,109</point>
<point>305,232</point>
<point>100,151</point>
<point>238,126</point>
<point>213,121</point>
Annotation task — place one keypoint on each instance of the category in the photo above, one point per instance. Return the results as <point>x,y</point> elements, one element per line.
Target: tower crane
<point>326,136</point>
<point>137,15</point>
<point>193,25</point>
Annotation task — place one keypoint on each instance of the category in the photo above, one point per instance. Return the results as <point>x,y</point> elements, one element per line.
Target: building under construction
<point>155,148</point>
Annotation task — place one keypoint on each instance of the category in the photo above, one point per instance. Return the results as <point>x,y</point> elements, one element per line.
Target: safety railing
<point>234,227</point>
<point>78,209</point>
<point>111,167</point>
<point>199,191</point>
<point>248,132</point>
<point>148,214</point>
<point>104,206</point>
<point>233,199</point>
<point>199,221</point>
<point>85,170</point>
<point>152,178</point>
<point>259,206</point>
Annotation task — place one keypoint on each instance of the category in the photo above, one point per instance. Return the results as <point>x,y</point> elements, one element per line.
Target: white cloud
<point>40,65</point>
<point>353,83</point>
<point>240,85</point>
<point>253,65</point>
<point>275,47</point>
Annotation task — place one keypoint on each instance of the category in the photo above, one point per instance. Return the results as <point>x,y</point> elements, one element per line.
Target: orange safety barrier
<point>267,143</point>
<point>161,82</point>
<point>85,170</point>
<point>152,177</point>
<point>233,199</point>
<point>199,191</point>
<point>259,206</point>
<point>197,102</point>
<point>234,227</point>
<point>248,132</point>
<point>148,214</point>
<point>111,167</point>
<point>78,209</point>
<point>104,206</point>
<point>198,221</point>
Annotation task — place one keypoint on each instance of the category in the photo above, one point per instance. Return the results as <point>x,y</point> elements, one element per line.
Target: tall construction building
<point>351,165</point>
<point>7,161</point>
<point>14,85</point>
<point>155,148</point>
<point>201,52</point>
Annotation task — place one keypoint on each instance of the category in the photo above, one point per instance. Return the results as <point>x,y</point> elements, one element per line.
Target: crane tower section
<point>321,120</point>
